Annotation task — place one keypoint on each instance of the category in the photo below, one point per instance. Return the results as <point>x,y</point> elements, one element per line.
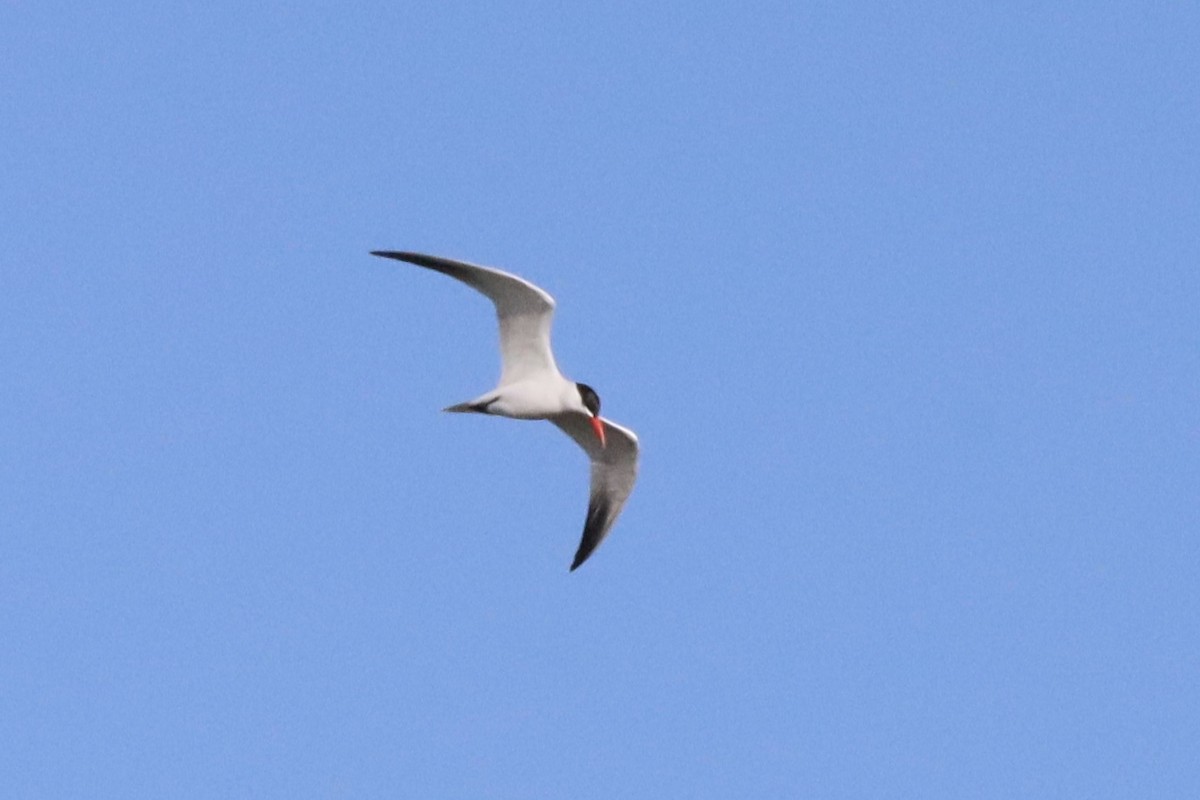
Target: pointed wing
<point>614,470</point>
<point>523,310</point>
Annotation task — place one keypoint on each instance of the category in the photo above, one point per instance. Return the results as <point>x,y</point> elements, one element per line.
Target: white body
<point>530,398</point>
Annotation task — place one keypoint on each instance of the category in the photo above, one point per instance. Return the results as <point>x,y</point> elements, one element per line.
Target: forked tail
<point>479,406</point>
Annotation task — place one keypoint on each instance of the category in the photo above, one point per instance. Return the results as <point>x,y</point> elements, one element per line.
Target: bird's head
<point>591,404</point>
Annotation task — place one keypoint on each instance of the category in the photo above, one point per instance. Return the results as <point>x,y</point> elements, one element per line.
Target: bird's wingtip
<point>403,255</point>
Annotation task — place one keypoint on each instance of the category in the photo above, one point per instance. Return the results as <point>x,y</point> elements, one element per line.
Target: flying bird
<point>531,387</point>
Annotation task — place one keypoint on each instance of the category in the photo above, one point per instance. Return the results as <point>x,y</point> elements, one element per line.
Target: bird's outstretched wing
<point>614,470</point>
<point>524,311</point>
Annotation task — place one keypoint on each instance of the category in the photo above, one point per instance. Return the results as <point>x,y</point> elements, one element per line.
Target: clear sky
<point>902,299</point>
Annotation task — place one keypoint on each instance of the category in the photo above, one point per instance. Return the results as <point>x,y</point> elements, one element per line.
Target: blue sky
<point>901,299</point>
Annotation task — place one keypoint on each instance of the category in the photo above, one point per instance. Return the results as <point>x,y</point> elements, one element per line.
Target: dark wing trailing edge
<point>614,471</point>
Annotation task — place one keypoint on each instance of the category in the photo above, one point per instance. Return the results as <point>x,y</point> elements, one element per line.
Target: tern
<point>531,387</point>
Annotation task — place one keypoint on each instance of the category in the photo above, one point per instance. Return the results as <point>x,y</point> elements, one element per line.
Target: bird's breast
<point>530,399</point>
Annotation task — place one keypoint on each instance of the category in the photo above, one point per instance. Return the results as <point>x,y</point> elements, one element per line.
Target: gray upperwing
<point>524,311</point>
<point>614,471</point>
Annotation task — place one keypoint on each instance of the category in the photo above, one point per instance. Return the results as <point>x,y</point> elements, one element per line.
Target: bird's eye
<point>591,400</point>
